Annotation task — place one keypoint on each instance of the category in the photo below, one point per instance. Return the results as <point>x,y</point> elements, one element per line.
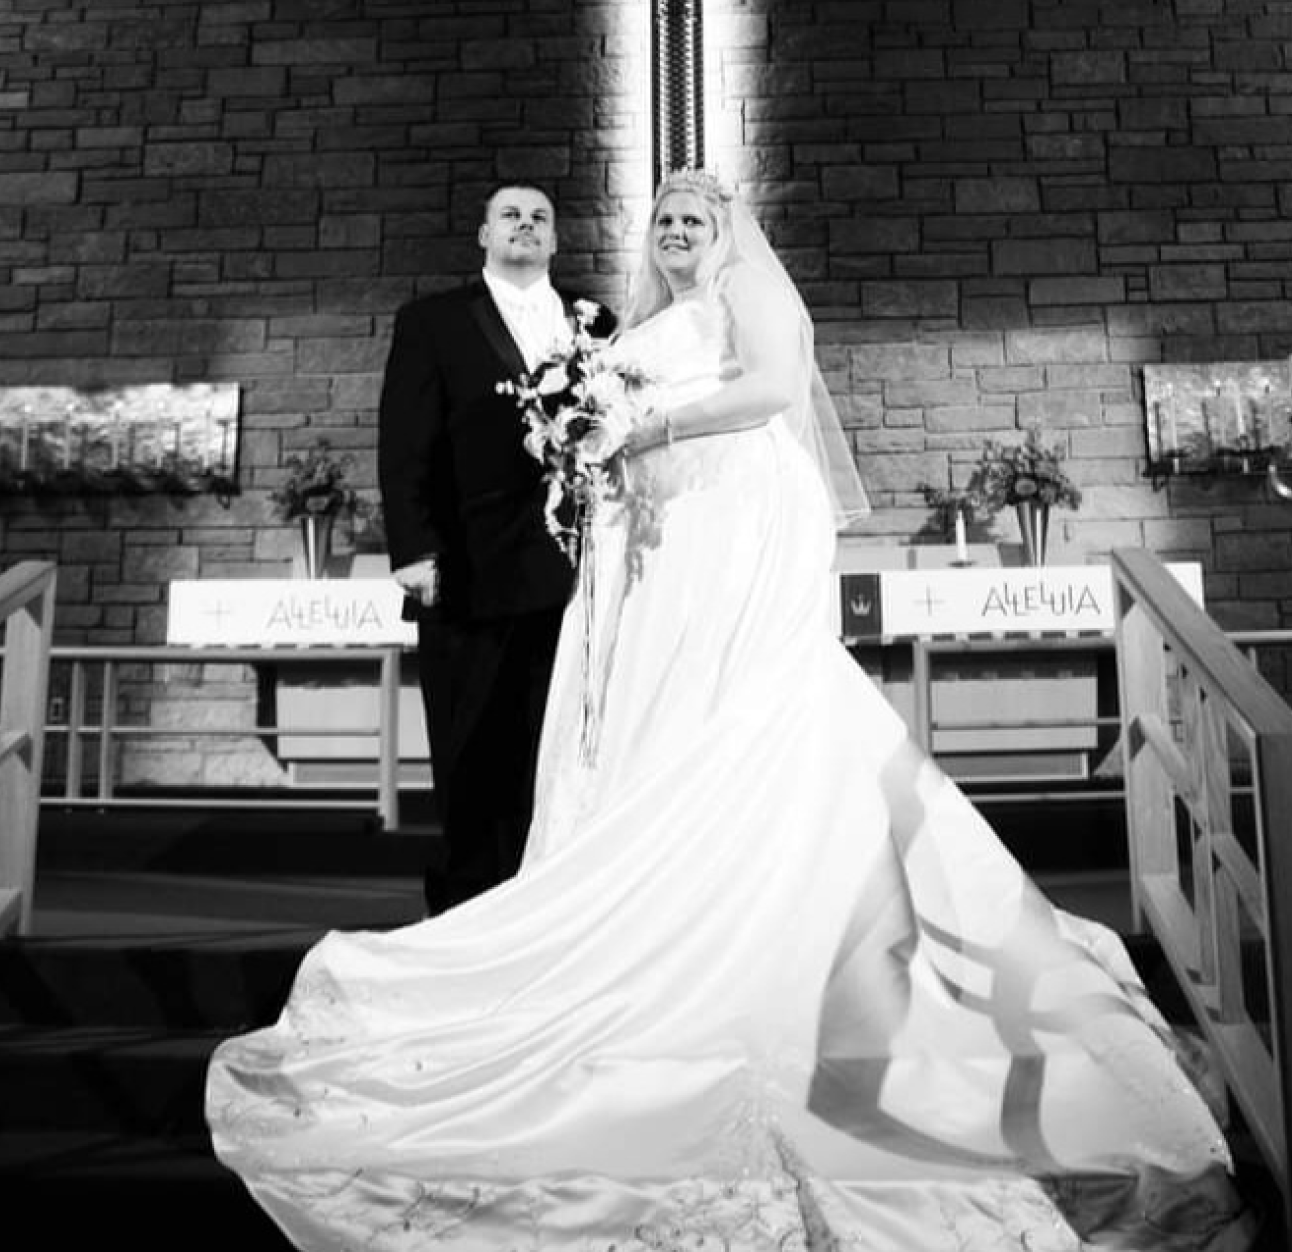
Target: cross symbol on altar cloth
<point>930,601</point>
<point>218,610</point>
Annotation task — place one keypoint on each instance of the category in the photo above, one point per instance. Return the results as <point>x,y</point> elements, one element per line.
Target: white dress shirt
<point>534,315</point>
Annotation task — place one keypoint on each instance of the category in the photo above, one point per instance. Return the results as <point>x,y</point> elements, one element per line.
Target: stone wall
<point>999,211</point>
<point>246,191</point>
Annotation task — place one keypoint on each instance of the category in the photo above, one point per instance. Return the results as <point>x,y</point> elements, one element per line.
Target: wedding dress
<point>766,980</point>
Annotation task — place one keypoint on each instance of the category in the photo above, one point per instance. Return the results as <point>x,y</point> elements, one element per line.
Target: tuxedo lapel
<point>495,330</point>
<point>567,305</point>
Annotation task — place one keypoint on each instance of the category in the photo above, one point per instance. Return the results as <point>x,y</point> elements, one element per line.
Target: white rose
<point>535,443</point>
<point>603,390</point>
<point>559,428</point>
<point>604,439</point>
<point>554,380</point>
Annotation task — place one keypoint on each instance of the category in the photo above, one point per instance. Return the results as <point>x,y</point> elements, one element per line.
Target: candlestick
<point>1263,417</point>
<point>114,437</point>
<point>962,546</point>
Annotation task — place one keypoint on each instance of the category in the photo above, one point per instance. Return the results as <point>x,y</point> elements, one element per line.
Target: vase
<point>316,542</point>
<point>1034,526</point>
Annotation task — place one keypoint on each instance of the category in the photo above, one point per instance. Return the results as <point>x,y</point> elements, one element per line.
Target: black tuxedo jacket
<point>456,482</point>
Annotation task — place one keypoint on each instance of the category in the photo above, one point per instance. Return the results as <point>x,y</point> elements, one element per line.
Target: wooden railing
<point>27,612</point>
<point>1207,747</point>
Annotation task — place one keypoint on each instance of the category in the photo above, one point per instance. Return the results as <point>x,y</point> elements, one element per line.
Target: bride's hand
<point>652,431</point>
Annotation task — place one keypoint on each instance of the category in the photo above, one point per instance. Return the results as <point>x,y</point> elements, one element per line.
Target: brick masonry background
<point>999,211</point>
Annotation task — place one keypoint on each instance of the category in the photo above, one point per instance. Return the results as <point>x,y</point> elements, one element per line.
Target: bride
<point>765,980</point>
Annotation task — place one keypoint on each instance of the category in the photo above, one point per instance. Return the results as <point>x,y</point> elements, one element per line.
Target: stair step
<point>95,1078</point>
<point>209,984</point>
<point>80,1189</point>
<point>239,842</point>
<point>145,902</point>
<point>48,1152</point>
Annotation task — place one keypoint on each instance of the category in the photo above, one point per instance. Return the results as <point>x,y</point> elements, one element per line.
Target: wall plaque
<point>154,437</point>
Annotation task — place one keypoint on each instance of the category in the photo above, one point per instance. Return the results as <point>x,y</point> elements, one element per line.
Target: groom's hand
<point>420,581</point>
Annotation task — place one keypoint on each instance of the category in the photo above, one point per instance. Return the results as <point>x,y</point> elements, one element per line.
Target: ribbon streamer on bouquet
<point>600,622</point>
<point>590,722</point>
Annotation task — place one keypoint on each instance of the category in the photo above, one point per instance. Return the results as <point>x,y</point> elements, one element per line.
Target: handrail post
<point>76,704</point>
<point>1274,797</point>
<point>107,724</point>
<point>388,739</point>
<point>27,610</point>
<point>922,684</point>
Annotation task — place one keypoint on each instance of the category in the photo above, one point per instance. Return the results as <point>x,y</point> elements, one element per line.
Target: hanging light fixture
<point>677,85</point>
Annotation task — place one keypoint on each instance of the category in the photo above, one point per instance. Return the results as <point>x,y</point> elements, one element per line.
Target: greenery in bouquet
<point>578,405</point>
<point>316,482</point>
<point>1008,474</point>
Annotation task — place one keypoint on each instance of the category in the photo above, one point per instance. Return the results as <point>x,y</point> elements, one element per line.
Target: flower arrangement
<point>578,405</point>
<point>316,484</point>
<point>947,503</point>
<point>1009,474</point>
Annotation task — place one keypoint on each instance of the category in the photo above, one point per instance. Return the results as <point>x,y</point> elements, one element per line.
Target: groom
<point>463,503</point>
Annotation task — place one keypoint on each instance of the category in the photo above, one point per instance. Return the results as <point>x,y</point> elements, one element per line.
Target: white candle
<point>962,545</point>
<point>67,443</point>
<point>114,416</point>
<point>1240,424</point>
<point>22,445</point>
<point>1170,421</point>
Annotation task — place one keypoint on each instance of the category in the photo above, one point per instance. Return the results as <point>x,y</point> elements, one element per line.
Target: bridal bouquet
<point>578,405</point>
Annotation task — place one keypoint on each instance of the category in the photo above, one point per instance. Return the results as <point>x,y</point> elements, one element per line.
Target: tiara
<point>700,181</point>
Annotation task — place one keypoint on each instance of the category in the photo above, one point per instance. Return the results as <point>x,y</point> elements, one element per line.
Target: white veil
<point>812,416</point>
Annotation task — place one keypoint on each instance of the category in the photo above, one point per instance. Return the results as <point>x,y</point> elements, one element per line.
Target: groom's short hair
<point>510,184</point>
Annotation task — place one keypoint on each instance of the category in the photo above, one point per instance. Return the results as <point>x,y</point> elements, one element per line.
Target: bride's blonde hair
<point>650,292</point>
<point>739,244</point>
